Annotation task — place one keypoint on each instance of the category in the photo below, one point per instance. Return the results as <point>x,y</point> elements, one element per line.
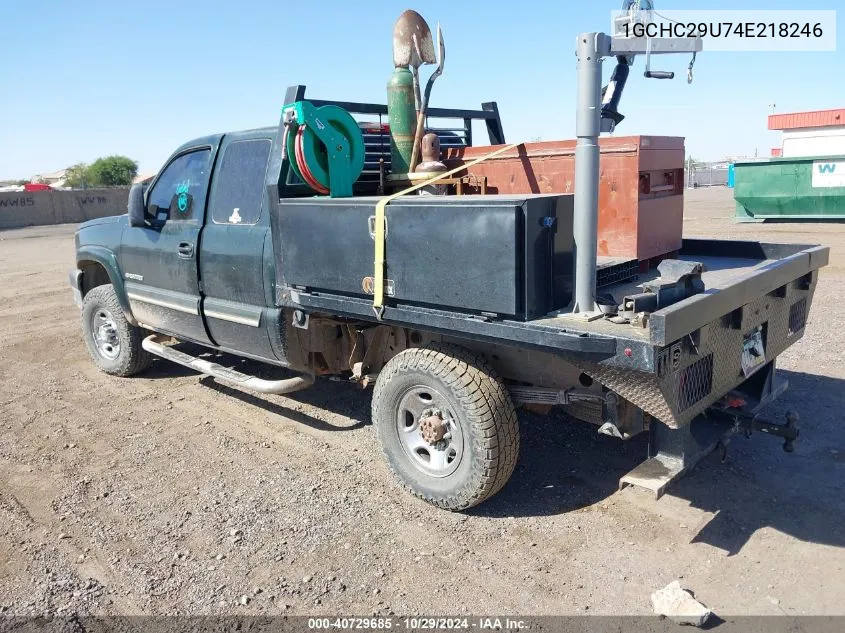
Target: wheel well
<point>93,274</point>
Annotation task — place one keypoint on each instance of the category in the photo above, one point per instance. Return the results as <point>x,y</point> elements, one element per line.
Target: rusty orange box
<point>641,190</point>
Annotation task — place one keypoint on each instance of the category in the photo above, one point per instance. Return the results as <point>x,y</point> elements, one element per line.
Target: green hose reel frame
<point>332,145</point>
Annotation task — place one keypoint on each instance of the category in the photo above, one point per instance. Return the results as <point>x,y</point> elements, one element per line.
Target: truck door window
<point>179,193</point>
<point>238,191</point>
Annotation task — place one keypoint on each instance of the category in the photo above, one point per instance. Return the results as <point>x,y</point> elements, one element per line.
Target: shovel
<point>423,111</point>
<point>412,47</point>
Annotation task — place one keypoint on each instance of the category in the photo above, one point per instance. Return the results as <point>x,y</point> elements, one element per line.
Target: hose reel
<point>324,146</point>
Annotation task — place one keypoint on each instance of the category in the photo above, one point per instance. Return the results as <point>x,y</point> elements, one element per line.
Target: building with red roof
<point>817,133</point>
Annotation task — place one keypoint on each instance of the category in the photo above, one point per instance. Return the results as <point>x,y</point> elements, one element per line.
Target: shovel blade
<point>412,41</point>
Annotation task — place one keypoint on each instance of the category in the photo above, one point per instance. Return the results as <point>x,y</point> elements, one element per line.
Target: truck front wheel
<point>446,425</point>
<point>113,342</point>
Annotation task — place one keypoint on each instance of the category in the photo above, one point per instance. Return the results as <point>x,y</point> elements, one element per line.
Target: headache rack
<point>453,126</point>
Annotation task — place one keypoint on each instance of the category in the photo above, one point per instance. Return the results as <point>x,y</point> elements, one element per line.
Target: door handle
<point>186,250</point>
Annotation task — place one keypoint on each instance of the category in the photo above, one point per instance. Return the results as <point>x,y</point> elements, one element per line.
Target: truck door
<point>236,262</point>
<point>159,261</point>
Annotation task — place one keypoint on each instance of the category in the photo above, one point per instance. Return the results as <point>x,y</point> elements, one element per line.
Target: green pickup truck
<point>227,249</point>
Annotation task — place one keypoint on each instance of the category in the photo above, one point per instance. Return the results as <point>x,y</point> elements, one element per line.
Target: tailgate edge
<point>671,323</point>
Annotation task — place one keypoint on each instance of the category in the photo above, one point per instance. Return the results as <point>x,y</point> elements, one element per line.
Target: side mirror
<point>135,206</point>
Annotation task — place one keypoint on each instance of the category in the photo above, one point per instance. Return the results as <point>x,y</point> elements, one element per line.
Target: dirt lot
<point>169,494</point>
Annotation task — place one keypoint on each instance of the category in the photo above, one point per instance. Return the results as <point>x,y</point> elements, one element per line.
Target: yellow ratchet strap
<point>380,223</point>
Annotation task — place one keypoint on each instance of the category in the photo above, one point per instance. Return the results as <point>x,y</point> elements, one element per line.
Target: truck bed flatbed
<point>686,356</point>
<point>719,272</point>
<point>731,281</point>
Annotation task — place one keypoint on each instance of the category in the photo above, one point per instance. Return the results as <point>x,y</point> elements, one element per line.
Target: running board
<point>153,345</point>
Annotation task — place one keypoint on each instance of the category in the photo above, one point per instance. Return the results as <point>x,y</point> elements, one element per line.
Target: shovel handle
<point>423,111</point>
<point>417,141</point>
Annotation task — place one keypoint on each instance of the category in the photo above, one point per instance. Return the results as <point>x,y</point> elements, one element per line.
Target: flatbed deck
<point>719,272</point>
<point>737,273</point>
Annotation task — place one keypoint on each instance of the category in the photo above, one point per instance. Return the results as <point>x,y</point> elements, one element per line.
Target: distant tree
<point>20,183</point>
<point>111,171</point>
<point>76,177</point>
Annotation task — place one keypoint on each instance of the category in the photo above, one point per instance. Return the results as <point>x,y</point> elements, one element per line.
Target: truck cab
<point>197,269</point>
<point>200,265</point>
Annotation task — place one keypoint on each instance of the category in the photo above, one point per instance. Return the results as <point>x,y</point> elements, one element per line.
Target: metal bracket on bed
<point>675,451</point>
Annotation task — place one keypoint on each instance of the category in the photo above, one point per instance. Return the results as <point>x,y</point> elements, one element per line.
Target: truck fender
<point>108,260</point>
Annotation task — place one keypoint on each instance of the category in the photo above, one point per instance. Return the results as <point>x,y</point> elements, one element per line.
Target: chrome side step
<point>153,345</point>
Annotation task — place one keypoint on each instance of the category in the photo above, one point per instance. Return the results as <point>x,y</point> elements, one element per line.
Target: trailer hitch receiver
<point>788,431</point>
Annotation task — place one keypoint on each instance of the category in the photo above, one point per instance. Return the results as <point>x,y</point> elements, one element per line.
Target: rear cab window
<point>237,194</point>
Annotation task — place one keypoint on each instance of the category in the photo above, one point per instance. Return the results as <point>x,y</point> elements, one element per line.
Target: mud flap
<point>75,279</point>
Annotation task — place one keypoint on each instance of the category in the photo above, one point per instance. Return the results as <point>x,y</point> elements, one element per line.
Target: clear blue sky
<point>90,78</point>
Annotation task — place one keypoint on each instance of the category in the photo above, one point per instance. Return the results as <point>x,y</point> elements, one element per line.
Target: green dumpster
<point>790,188</point>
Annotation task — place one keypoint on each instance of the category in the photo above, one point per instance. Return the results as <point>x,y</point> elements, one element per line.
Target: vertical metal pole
<point>588,127</point>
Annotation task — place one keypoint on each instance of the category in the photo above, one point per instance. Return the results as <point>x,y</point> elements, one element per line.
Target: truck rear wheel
<point>113,342</point>
<point>446,425</point>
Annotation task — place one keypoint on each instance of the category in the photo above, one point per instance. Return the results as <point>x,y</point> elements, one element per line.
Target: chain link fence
<point>707,174</point>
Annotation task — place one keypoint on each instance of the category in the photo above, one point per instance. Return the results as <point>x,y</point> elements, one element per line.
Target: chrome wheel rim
<point>104,333</point>
<point>438,459</point>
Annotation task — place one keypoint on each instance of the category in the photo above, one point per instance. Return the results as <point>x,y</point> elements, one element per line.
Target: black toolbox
<point>508,256</point>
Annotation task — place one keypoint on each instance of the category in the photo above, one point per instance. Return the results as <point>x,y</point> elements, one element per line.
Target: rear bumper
<point>695,348</point>
<point>672,452</point>
<point>75,279</point>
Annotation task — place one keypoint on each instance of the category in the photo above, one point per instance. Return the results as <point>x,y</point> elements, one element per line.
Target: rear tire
<point>113,342</point>
<point>477,456</point>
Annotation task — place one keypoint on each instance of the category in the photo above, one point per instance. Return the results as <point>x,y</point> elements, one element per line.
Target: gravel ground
<point>170,494</point>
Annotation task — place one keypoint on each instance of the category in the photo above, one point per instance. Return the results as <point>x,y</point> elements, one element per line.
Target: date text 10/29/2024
<point>418,624</point>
